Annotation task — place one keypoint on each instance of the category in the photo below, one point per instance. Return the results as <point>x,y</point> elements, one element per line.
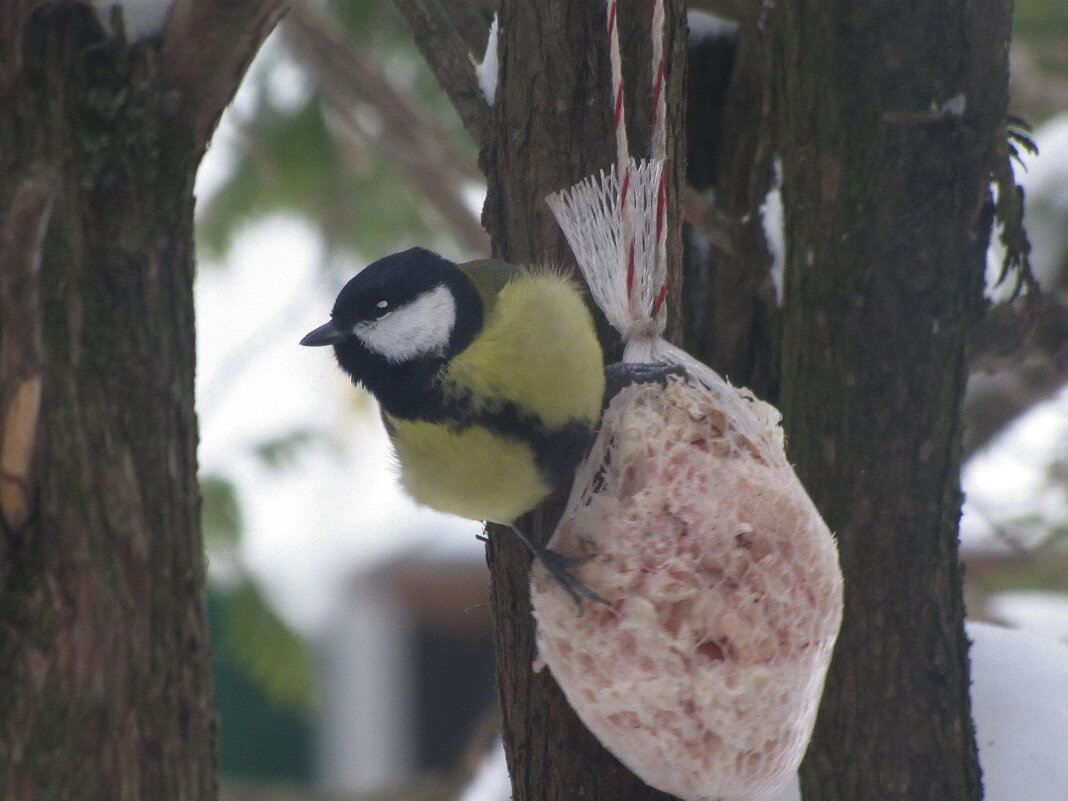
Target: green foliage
<point>1040,31</point>
<point>249,635</point>
<point>272,653</point>
<point>260,739</point>
<point>297,159</point>
<point>1009,209</point>
<point>376,27</point>
<point>284,449</point>
<point>220,514</point>
<point>1042,22</point>
<point>295,165</point>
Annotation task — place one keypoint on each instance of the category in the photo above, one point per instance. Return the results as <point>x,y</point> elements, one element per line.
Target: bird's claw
<point>620,375</point>
<point>567,561</point>
<point>558,567</point>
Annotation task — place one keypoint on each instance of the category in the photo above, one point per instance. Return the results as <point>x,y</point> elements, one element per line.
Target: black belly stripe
<point>557,450</point>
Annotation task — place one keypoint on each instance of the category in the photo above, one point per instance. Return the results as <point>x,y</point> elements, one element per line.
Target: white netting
<point>704,672</point>
<point>590,216</point>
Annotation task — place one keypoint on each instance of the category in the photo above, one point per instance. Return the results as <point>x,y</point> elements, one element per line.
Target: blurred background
<point>351,634</point>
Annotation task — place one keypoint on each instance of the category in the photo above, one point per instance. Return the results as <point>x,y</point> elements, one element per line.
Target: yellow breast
<point>538,354</point>
<point>469,472</point>
<point>539,349</point>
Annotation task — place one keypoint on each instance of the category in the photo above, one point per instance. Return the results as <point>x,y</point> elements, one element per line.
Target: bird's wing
<point>489,277</point>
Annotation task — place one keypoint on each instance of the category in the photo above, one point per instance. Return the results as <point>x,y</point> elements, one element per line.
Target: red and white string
<point>658,145</point>
<point>659,139</point>
<point>619,123</point>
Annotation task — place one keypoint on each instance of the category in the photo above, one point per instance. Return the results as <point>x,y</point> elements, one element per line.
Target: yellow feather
<point>537,350</point>
<point>472,472</point>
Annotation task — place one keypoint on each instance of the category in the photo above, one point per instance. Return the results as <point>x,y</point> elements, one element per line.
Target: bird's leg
<point>557,566</point>
<point>619,375</point>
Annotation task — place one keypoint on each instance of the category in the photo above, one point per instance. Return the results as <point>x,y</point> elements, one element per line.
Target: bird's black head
<point>398,321</point>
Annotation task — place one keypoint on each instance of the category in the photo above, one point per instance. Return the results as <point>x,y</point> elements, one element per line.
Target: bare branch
<point>1014,334</point>
<point>1018,358</point>
<point>450,60</point>
<point>207,47</point>
<point>343,71</point>
<point>413,141</point>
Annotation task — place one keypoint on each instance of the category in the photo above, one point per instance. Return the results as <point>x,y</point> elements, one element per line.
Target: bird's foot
<point>558,567</point>
<point>620,375</point>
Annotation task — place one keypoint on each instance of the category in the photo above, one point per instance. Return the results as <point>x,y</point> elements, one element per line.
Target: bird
<point>489,377</point>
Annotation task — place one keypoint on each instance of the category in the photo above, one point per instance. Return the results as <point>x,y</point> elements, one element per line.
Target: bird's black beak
<point>326,334</point>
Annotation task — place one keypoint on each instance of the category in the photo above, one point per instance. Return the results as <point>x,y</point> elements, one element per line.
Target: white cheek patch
<point>419,328</point>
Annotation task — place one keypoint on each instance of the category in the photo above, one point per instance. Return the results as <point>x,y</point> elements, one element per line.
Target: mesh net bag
<point>703,672</point>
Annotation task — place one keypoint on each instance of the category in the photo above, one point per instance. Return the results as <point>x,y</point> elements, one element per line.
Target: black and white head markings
<point>400,330</point>
<point>400,319</point>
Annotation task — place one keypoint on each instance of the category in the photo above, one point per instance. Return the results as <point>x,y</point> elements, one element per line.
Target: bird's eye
<point>382,304</point>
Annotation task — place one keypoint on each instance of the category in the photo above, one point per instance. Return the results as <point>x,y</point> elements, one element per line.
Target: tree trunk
<point>890,116</point>
<point>551,127</point>
<point>729,299</point>
<point>103,658</point>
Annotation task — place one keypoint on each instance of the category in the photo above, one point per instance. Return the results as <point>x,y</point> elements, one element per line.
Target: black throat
<point>412,389</point>
<point>403,390</point>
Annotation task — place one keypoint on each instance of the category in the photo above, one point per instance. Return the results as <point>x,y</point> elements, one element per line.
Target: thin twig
<point>344,70</point>
<point>1011,334</point>
<point>415,143</point>
<point>450,60</point>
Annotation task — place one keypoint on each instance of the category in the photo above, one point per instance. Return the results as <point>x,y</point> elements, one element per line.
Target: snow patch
<point>487,70</point>
<point>771,216</point>
<point>141,19</point>
<point>703,26</point>
<point>1020,705</point>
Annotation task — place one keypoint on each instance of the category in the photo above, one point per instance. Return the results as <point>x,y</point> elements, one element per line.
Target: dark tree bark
<point>889,121</point>
<point>551,127</point>
<point>890,118</point>
<point>729,309</point>
<point>103,657</point>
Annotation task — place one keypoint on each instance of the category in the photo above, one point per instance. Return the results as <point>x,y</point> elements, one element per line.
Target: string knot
<point>647,327</point>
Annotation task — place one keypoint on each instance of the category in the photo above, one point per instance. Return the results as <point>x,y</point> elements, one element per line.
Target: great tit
<point>489,377</point>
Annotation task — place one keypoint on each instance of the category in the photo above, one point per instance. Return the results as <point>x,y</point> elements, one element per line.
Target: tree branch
<point>13,19</point>
<point>207,47</point>
<point>414,142</point>
<point>342,71</point>
<point>1014,334</point>
<point>1018,356</point>
<point>448,57</point>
